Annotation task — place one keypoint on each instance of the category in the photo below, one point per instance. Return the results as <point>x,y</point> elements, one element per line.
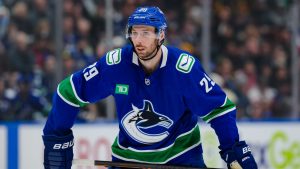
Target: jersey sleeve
<point>79,89</point>
<point>204,97</point>
<point>209,101</point>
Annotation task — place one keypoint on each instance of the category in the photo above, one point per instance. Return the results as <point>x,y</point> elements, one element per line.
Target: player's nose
<point>139,39</point>
<point>138,43</point>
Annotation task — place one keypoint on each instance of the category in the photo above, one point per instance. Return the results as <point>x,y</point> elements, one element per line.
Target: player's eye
<point>142,34</point>
<point>146,34</point>
<point>134,34</point>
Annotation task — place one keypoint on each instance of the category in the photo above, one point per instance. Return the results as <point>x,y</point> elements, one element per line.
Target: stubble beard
<point>146,53</point>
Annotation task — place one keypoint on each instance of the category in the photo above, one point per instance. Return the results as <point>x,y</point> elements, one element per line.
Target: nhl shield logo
<point>145,125</point>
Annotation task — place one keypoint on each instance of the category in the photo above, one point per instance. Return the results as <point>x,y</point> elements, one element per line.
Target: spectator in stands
<point>28,105</point>
<point>6,113</point>
<point>21,56</point>
<point>21,17</point>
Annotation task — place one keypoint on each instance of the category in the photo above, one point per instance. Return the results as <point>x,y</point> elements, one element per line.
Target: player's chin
<point>144,56</point>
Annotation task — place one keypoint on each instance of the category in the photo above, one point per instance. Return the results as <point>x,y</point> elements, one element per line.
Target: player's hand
<point>58,152</point>
<point>239,157</point>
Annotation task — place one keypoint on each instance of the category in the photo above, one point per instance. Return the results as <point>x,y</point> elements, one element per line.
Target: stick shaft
<point>127,164</point>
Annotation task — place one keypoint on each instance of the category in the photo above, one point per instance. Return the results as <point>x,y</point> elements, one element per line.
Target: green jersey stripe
<point>181,145</point>
<point>226,108</point>
<point>75,93</point>
<point>64,99</point>
<point>218,115</point>
<point>66,92</point>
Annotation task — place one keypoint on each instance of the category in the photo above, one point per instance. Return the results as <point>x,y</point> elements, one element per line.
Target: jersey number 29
<point>90,72</point>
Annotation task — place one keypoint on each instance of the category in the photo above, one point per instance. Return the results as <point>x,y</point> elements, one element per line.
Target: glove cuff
<point>58,152</point>
<point>58,143</point>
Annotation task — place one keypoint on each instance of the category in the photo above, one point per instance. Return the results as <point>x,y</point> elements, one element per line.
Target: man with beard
<point>159,91</point>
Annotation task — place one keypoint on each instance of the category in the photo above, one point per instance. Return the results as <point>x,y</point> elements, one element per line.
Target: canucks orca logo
<point>145,125</point>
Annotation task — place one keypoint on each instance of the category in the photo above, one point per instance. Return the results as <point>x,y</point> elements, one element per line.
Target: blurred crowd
<point>250,55</point>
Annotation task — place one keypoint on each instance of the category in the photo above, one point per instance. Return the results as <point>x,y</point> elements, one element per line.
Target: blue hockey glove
<point>239,157</point>
<point>58,152</point>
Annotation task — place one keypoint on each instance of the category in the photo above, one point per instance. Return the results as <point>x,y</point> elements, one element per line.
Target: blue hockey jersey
<point>157,113</point>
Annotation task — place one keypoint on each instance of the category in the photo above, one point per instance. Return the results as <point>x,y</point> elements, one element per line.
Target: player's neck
<point>151,65</point>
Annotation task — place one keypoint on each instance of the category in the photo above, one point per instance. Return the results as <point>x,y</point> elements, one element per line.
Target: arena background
<point>249,47</point>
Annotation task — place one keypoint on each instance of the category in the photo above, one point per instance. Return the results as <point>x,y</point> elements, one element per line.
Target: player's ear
<point>162,35</point>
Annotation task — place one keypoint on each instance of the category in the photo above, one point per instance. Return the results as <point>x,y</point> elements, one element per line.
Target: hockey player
<point>159,91</point>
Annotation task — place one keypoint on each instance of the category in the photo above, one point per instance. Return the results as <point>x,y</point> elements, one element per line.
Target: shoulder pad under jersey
<point>113,57</point>
<point>185,63</point>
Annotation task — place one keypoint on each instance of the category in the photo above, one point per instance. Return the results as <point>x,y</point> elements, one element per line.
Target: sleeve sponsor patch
<point>113,57</point>
<point>185,63</point>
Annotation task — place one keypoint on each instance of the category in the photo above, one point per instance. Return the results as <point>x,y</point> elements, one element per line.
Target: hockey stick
<point>86,162</point>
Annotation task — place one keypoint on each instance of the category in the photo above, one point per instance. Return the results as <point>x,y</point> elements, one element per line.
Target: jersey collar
<point>164,57</point>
